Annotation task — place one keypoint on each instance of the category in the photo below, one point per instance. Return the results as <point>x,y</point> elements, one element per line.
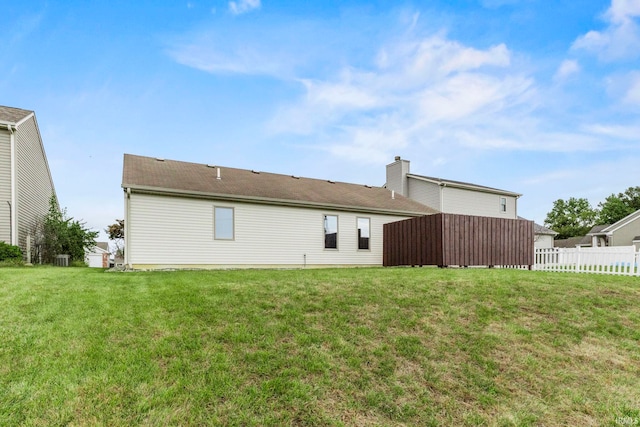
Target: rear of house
<point>448,196</point>
<point>189,215</point>
<point>26,185</point>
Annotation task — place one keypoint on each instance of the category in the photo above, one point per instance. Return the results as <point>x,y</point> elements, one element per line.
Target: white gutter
<point>127,226</point>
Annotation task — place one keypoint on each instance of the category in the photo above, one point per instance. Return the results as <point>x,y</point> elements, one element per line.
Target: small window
<point>503,204</point>
<point>331,232</point>
<point>223,223</point>
<point>364,233</point>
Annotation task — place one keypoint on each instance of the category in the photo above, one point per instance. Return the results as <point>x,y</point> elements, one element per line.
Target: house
<point>98,256</point>
<point>25,180</point>
<point>573,242</point>
<point>625,232</point>
<point>192,215</point>
<point>543,236</point>
<point>449,196</point>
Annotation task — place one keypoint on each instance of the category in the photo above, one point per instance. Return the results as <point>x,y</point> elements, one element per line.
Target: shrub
<point>78,263</point>
<point>12,262</point>
<point>9,252</point>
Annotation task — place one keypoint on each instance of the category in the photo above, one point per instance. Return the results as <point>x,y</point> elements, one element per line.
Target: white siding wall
<point>543,241</point>
<point>467,202</point>
<point>176,231</point>
<point>5,186</point>
<point>425,192</point>
<point>34,184</point>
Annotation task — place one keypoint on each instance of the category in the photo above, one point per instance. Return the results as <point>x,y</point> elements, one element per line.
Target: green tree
<point>115,232</point>
<point>56,233</point>
<point>616,207</point>
<point>570,218</point>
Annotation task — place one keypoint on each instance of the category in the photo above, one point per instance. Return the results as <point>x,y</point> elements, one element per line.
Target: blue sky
<point>536,97</point>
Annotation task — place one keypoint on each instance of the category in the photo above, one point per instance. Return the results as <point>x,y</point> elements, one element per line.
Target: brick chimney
<point>397,176</point>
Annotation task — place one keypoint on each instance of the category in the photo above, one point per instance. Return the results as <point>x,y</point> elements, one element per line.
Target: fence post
<point>579,260</point>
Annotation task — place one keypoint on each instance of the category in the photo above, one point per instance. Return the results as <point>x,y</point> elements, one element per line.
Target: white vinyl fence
<point>621,260</point>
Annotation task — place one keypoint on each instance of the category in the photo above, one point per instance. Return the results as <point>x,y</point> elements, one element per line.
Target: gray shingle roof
<point>12,115</point>
<point>572,242</point>
<point>103,245</point>
<point>540,229</point>
<point>597,229</point>
<point>170,176</point>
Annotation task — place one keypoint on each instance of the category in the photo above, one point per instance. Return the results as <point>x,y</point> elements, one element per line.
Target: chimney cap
<point>398,158</point>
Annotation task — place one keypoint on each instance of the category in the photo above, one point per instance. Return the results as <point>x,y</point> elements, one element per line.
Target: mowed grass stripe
<point>318,347</point>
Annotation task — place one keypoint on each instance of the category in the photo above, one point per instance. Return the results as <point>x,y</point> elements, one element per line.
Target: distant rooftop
<point>572,242</point>
<point>596,229</point>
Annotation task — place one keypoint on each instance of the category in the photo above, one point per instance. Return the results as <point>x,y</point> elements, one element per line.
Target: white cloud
<point>567,68</point>
<point>243,6</point>
<point>427,91</point>
<point>620,39</point>
<point>632,95</point>
<point>430,94</point>
<point>625,87</point>
<point>210,52</point>
<point>617,131</point>
<point>622,10</point>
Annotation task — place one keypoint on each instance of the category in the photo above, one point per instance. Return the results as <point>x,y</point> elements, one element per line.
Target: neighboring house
<point>98,256</point>
<point>593,238</point>
<point>572,242</point>
<point>25,180</point>
<point>543,236</point>
<point>190,215</point>
<point>451,196</point>
<point>625,232</point>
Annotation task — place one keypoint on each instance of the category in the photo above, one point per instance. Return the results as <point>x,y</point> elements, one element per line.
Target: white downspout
<point>14,222</point>
<point>127,225</point>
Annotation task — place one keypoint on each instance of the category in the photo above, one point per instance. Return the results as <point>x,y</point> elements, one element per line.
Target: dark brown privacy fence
<point>464,240</point>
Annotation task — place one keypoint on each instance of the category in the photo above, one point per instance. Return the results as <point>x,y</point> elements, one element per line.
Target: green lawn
<point>318,347</point>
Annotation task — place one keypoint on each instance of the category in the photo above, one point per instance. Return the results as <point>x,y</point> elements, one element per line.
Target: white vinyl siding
<point>467,202</point>
<point>543,241</point>
<point>424,192</point>
<point>34,184</point>
<point>174,231</point>
<point>5,186</point>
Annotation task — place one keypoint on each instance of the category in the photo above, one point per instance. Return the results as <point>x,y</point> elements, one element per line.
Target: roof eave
<point>268,201</point>
<point>466,187</point>
<point>624,221</point>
